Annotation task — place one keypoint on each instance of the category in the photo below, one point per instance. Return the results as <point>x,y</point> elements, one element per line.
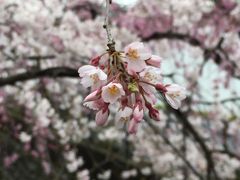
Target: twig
<point>178,153</point>
<point>233,99</point>
<point>111,43</point>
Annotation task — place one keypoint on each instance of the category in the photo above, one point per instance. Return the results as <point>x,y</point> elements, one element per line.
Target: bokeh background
<point>46,133</point>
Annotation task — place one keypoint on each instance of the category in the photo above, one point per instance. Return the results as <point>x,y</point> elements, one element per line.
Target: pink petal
<point>136,66</point>
<point>101,117</point>
<point>138,114</point>
<point>84,70</point>
<point>175,103</point>
<point>132,128</point>
<point>91,95</point>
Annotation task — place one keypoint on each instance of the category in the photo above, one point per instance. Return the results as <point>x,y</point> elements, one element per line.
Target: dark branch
<point>207,153</point>
<point>234,99</point>
<point>227,152</point>
<point>175,36</point>
<point>178,153</point>
<point>217,53</point>
<point>50,72</point>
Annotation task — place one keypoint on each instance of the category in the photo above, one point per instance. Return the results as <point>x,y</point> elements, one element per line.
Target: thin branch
<point>111,43</point>
<point>172,35</point>
<point>40,57</point>
<point>199,140</point>
<point>178,153</point>
<point>233,99</point>
<point>227,152</point>
<point>217,53</point>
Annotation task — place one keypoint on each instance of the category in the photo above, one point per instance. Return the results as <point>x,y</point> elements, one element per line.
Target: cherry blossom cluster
<point>127,80</point>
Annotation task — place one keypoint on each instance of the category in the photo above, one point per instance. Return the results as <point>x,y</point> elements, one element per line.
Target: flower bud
<point>138,113</point>
<point>153,113</point>
<point>132,128</point>
<point>95,61</point>
<point>155,61</point>
<point>101,117</point>
<point>161,88</point>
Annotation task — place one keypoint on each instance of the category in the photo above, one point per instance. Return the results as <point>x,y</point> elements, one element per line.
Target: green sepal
<point>133,87</point>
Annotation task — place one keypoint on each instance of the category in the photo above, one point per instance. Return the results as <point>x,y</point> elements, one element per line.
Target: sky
<point>125,2</point>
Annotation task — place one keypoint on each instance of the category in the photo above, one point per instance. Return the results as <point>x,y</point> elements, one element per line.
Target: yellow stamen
<point>149,76</point>
<point>175,94</point>
<point>94,77</point>
<point>113,90</point>
<point>133,54</point>
<point>124,119</point>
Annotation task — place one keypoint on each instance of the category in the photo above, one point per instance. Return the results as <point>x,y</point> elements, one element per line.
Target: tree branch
<point>200,141</point>
<point>178,153</point>
<point>111,43</point>
<point>216,53</point>
<point>233,99</point>
<point>172,35</point>
<point>50,72</point>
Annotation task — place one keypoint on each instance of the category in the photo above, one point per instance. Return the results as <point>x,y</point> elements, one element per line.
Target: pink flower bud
<point>174,95</point>
<point>153,113</point>
<point>138,112</point>
<point>161,88</point>
<point>95,61</point>
<point>132,128</point>
<point>101,117</point>
<point>92,96</point>
<point>155,61</point>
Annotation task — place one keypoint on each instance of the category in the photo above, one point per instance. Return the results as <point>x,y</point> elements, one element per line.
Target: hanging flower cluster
<point>128,80</point>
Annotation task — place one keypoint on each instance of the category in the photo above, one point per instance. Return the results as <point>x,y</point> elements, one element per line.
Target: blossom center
<point>124,119</point>
<point>94,77</point>
<point>133,54</point>
<point>150,76</point>
<point>175,94</point>
<point>113,90</point>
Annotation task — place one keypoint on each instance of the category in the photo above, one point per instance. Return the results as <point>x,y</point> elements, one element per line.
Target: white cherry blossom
<point>112,92</point>
<point>136,55</point>
<point>123,117</point>
<point>175,94</point>
<point>91,76</point>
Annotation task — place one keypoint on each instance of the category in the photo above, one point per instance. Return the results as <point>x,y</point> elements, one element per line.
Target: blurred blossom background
<point>46,133</point>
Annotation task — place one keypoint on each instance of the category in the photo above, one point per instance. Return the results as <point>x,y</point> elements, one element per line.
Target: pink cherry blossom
<point>151,74</point>
<point>175,94</point>
<point>123,117</point>
<point>112,92</point>
<point>136,55</point>
<point>132,80</point>
<point>91,76</point>
<point>95,105</point>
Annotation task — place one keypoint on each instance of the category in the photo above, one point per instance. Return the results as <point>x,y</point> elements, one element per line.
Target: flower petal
<point>102,75</point>
<point>84,70</point>
<point>136,66</point>
<point>175,103</point>
<point>86,81</point>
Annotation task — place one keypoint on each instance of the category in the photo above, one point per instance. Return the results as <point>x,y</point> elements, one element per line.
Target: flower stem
<point>111,43</point>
